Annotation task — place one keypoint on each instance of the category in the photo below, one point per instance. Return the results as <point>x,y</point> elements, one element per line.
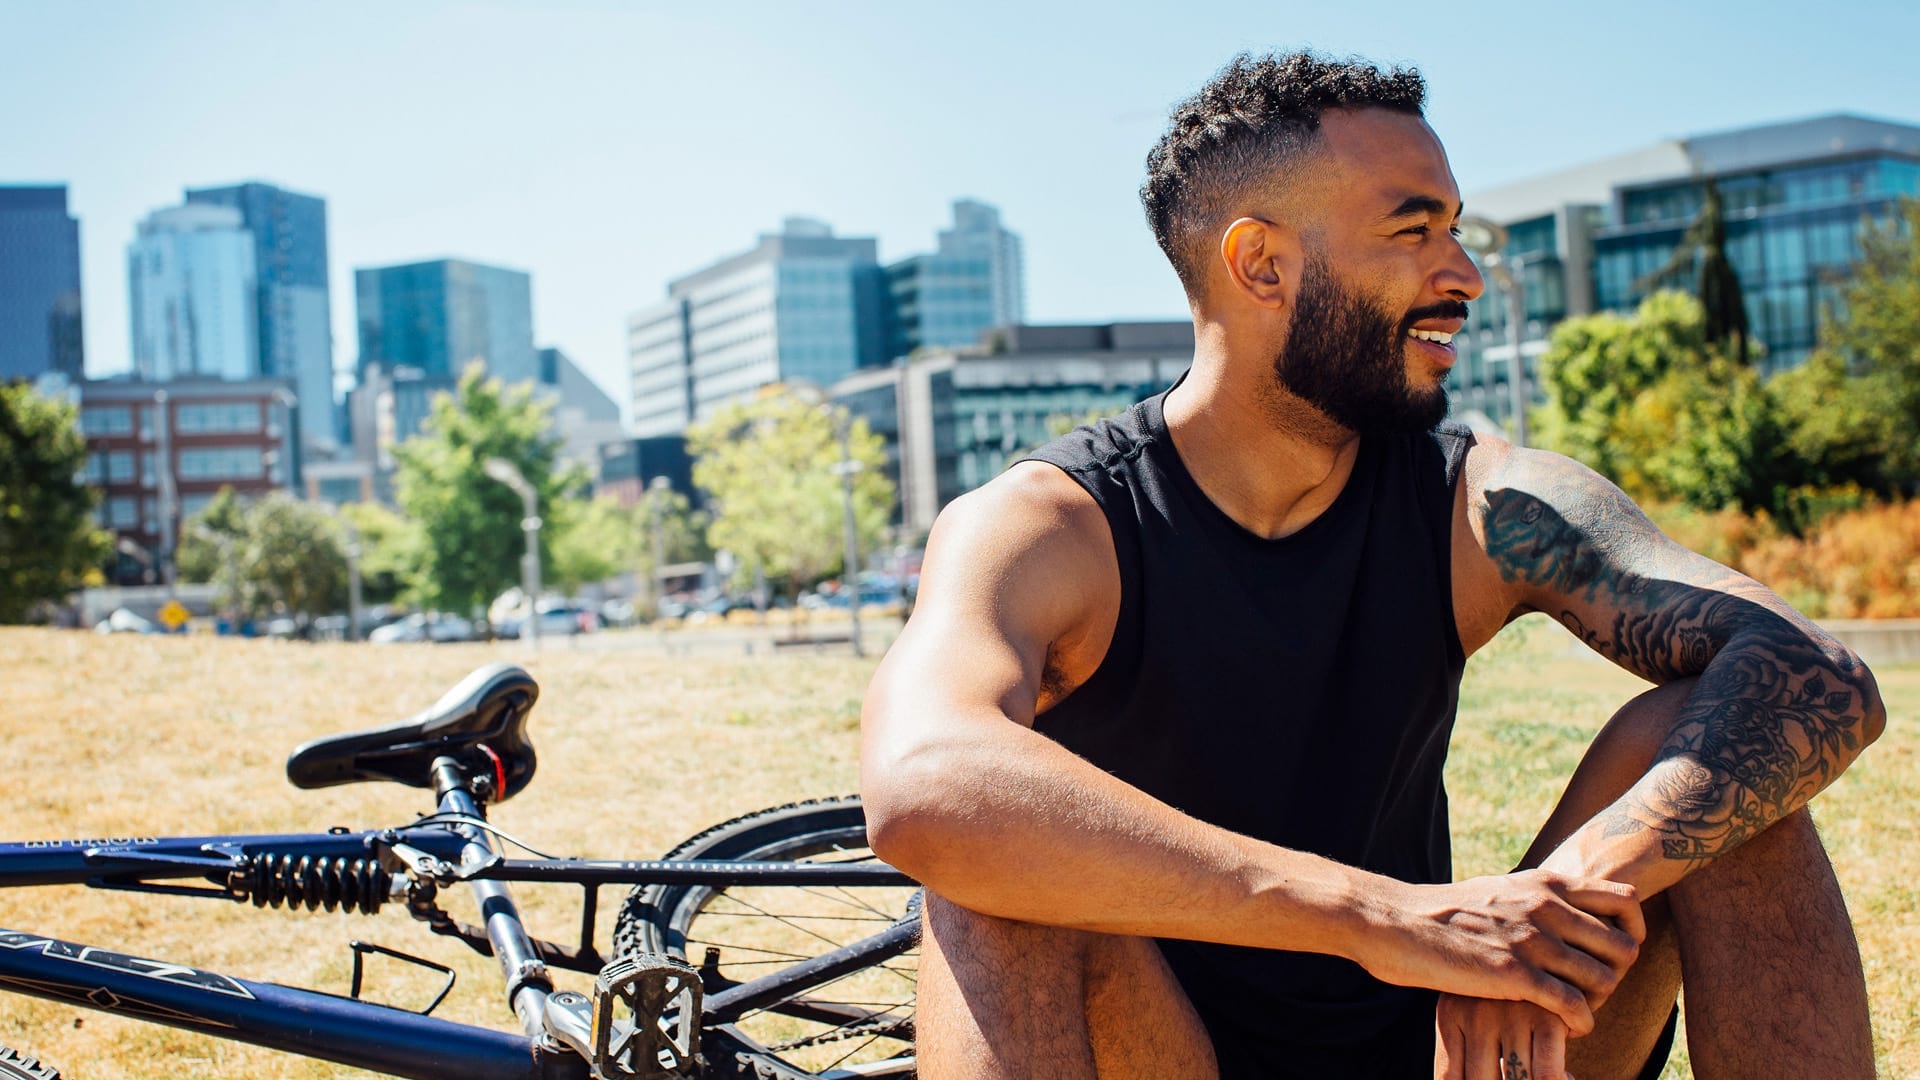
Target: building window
<point>107,420</point>
<point>96,469</point>
<point>120,467</point>
<point>191,505</point>
<point>217,418</point>
<point>123,512</point>
<point>221,463</point>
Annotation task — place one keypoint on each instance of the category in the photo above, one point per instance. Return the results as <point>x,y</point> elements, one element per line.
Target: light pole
<point>353,579</point>
<point>845,468</point>
<point>657,490</point>
<point>1488,239</point>
<point>163,425</point>
<point>504,471</point>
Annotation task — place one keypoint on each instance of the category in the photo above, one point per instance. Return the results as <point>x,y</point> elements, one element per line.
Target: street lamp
<point>845,468</point>
<point>657,491</point>
<point>504,471</point>
<point>1488,239</point>
<point>163,424</point>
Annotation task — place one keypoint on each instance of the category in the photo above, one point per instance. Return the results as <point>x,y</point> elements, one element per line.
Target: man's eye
<point>1417,230</point>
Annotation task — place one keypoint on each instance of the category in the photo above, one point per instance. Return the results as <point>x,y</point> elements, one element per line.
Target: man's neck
<point>1271,476</point>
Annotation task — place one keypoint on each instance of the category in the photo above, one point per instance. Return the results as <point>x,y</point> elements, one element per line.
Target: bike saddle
<point>482,722</point>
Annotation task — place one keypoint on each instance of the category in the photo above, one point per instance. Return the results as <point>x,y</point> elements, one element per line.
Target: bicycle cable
<point>484,825</point>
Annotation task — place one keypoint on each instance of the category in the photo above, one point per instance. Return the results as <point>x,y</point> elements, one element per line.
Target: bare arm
<point>1021,584</point>
<point>1780,709</point>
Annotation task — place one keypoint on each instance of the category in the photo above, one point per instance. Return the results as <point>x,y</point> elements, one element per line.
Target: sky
<point>606,147</point>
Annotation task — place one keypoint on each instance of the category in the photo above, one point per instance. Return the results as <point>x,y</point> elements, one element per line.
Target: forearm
<point>1776,715</point>
<point>1003,820</point>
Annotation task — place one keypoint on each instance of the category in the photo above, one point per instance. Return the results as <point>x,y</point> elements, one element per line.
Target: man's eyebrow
<point>1422,206</point>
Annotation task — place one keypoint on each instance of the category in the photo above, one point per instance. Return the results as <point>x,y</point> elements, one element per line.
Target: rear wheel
<point>15,1065</point>
<point>858,1025</point>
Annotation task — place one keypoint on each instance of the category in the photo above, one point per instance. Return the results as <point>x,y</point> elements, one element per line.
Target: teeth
<point>1432,335</point>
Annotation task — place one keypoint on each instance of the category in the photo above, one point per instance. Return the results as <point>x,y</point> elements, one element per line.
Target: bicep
<point>1002,581</point>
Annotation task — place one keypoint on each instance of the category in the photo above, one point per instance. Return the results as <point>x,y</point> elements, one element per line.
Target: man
<point>1164,736</point>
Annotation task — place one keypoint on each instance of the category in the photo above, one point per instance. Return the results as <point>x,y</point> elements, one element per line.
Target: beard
<point>1347,356</point>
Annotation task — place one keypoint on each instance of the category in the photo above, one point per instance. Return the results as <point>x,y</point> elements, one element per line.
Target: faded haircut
<point>1248,132</point>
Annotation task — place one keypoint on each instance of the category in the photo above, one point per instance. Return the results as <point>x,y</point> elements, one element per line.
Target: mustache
<point>1445,309</point>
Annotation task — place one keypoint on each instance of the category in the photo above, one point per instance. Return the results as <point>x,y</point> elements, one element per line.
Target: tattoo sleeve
<point>1780,707</point>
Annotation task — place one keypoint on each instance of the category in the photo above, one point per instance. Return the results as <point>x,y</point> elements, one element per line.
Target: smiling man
<point>1164,737</point>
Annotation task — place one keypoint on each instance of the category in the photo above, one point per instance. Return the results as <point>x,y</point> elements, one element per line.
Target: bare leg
<point>1003,999</point>
<point>1772,972</point>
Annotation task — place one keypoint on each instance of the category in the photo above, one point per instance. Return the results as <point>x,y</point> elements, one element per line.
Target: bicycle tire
<point>672,918</point>
<point>15,1065</point>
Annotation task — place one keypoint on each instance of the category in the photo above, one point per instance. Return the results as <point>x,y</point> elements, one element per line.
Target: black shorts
<point>1406,1053</point>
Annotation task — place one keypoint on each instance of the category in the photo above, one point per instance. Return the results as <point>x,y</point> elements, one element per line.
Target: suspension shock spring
<point>337,884</point>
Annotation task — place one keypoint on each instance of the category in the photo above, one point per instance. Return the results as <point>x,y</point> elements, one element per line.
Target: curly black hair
<point>1247,130</point>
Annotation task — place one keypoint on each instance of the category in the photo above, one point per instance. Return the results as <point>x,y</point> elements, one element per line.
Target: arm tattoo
<point>1780,708</point>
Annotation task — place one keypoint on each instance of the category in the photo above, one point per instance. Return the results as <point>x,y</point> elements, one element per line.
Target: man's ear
<point>1263,261</point>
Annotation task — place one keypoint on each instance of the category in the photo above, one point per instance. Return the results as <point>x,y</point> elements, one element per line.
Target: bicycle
<point>773,946</point>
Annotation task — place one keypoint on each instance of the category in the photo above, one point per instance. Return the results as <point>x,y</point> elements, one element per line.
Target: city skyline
<point>632,144</point>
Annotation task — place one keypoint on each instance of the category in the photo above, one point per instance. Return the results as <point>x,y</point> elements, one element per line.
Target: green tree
<point>1597,366</point>
<point>272,555</point>
<point>594,539</point>
<point>392,549</point>
<point>1855,405</point>
<point>209,543</point>
<point>1652,404</point>
<point>769,467</point>
<point>49,546</point>
<point>1716,285</point>
<point>294,559</point>
<point>469,523</point>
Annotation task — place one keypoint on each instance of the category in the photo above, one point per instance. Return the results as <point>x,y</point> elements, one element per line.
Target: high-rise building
<point>974,282</point>
<point>422,323</point>
<point>1796,196</point>
<point>953,419</point>
<point>584,417</point>
<point>191,276</point>
<point>293,312</point>
<point>802,304</point>
<point>39,284</point>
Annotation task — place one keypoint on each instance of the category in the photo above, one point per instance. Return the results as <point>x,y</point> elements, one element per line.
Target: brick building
<point>159,452</point>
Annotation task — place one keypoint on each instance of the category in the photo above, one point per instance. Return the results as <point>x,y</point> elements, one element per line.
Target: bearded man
<point>1164,736</point>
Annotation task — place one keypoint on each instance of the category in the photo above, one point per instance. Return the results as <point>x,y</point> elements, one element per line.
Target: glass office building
<point>424,322</point>
<point>802,304</point>
<point>191,280</point>
<point>974,282</point>
<point>39,284</point>
<point>954,419</point>
<point>292,306</point>
<point>1796,196</point>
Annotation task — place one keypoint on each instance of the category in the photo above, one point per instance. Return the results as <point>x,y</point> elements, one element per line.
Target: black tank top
<point>1299,690</point>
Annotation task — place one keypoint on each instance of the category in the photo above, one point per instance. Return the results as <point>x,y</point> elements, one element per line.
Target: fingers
<point>1451,1064</point>
<point>1562,999</point>
<point>1549,1051</point>
<point>1608,899</point>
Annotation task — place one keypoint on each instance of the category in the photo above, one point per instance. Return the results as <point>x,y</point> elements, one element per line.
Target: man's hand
<point>1498,1040</point>
<point>1558,942</point>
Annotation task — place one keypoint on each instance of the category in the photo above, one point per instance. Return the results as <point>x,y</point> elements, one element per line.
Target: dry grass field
<point>638,749</point>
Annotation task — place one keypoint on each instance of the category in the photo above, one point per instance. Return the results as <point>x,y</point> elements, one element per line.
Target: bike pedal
<point>632,1037</point>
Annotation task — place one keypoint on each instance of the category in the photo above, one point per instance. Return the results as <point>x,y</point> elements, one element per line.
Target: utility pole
<point>657,491</point>
<point>846,467</point>
<point>504,471</point>
<point>163,424</point>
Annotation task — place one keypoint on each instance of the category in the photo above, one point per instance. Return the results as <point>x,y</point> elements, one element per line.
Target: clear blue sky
<point>609,146</point>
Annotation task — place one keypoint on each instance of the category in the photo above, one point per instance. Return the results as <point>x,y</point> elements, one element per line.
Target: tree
<point>392,549</point>
<point>1652,404</point>
<point>769,467</point>
<point>209,544</point>
<point>594,540</point>
<point>1597,366</point>
<point>276,554</point>
<point>49,545</point>
<point>471,542</point>
<point>1855,404</point>
<point>1717,286</point>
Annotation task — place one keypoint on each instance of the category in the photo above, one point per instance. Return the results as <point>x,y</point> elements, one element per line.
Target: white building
<point>192,280</point>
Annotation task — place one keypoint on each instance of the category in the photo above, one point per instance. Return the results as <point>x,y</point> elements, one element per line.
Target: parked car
<point>424,626</point>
